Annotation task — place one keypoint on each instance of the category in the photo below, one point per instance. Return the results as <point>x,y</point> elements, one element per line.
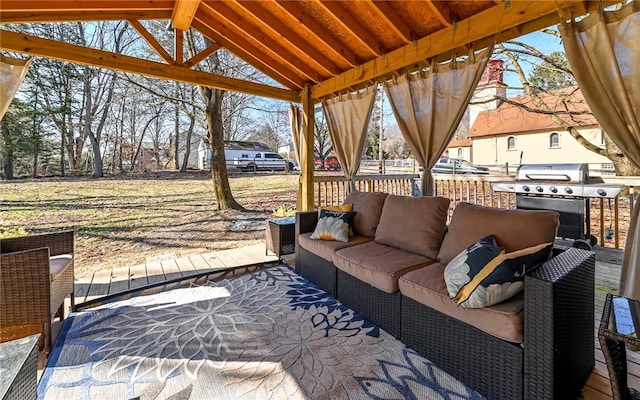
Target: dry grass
<point>123,221</point>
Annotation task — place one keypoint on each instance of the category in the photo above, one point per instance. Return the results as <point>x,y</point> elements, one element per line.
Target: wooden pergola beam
<point>441,11</point>
<point>183,14</point>
<point>473,30</point>
<point>319,32</point>
<point>22,43</point>
<point>79,16</point>
<point>287,58</point>
<point>397,24</point>
<point>85,5</point>
<point>346,20</point>
<point>151,41</point>
<point>268,66</point>
<point>202,55</point>
<point>268,21</point>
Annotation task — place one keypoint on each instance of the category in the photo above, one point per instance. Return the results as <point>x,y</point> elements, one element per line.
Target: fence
<point>609,218</point>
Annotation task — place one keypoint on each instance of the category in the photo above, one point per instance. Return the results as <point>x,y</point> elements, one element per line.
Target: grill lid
<point>567,173</point>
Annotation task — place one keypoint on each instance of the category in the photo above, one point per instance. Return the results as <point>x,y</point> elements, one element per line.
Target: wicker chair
<point>36,275</point>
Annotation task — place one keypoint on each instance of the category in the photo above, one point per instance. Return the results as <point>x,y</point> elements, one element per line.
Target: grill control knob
<point>553,189</point>
<point>526,188</point>
<point>602,192</point>
<point>568,190</point>
<point>539,189</point>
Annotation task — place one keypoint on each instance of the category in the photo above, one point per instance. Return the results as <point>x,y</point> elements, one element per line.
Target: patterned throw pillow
<point>483,274</point>
<point>344,208</point>
<point>333,225</point>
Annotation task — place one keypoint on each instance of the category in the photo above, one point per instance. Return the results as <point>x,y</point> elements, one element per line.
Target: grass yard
<point>125,220</point>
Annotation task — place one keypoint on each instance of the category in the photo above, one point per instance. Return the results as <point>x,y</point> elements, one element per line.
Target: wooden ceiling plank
<point>22,43</point>
<point>319,31</point>
<point>441,11</point>
<point>151,41</point>
<point>471,30</point>
<point>349,23</point>
<point>270,67</point>
<point>183,13</point>
<point>77,16</point>
<point>260,15</point>
<point>202,55</point>
<point>85,5</point>
<point>289,59</point>
<point>388,14</point>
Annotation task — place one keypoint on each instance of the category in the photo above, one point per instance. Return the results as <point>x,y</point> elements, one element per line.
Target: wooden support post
<point>306,150</point>
<point>179,46</point>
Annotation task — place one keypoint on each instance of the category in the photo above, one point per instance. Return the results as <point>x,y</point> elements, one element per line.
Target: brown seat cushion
<point>368,206</point>
<point>377,264</point>
<point>58,264</point>
<point>504,320</point>
<point>514,229</point>
<point>415,224</point>
<point>326,248</point>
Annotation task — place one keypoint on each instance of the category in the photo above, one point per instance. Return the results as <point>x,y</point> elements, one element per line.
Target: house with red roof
<point>513,134</point>
<point>497,130</point>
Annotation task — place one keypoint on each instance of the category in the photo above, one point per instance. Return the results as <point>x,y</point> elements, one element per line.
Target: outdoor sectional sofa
<point>536,345</point>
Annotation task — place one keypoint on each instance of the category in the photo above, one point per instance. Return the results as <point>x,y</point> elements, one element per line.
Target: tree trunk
<point>222,189</point>
<point>187,150</point>
<point>6,154</point>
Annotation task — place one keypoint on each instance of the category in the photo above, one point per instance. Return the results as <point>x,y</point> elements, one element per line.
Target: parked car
<point>457,166</point>
<point>262,160</point>
<point>331,163</point>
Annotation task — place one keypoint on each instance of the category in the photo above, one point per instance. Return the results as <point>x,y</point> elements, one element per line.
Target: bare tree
<point>552,72</point>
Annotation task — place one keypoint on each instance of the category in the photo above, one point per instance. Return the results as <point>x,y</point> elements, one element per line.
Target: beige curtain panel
<point>604,54</point>
<point>430,104</point>
<point>12,73</point>
<point>295,121</point>
<point>347,120</point>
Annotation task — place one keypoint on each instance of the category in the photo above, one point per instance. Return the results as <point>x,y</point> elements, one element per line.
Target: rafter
<point>183,13</point>
<point>202,55</point>
<point>266,65</point>
<point>441,11</point>
<point>528,16</point>
<point>346,20</point>
<point>261,16</point>
<point>319,31</point>
<point>85,5</point>
<point>151,41</point>
<point>22,43</point>
<point>77,16</point>
<point>388,14</point>
<point>290,60</point>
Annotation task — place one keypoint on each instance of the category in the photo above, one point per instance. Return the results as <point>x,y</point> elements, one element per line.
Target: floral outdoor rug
<point>270,334</point>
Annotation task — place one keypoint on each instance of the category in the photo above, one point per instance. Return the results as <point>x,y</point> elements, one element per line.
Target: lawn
<point>125,220</point>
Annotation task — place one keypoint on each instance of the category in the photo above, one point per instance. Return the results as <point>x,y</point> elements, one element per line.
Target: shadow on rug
<point>270,334</point>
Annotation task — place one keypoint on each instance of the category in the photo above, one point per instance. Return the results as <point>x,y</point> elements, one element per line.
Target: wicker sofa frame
<point>29,299</point>
<point>558,352</point>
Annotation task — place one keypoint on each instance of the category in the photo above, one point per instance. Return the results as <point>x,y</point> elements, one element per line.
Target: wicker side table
<point>19,368</point>
<point>281,236</point>
<point>619,326</point>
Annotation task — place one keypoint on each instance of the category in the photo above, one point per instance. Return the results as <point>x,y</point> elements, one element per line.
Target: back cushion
<point>368,206</point>
<point>415,224</point>
<point>514,229</point>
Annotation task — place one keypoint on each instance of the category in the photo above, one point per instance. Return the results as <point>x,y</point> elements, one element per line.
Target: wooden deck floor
<point>108,282</point>
<point>116,280</point>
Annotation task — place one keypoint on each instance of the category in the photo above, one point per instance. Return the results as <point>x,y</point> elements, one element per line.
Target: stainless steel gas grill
<point>565,188</point>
